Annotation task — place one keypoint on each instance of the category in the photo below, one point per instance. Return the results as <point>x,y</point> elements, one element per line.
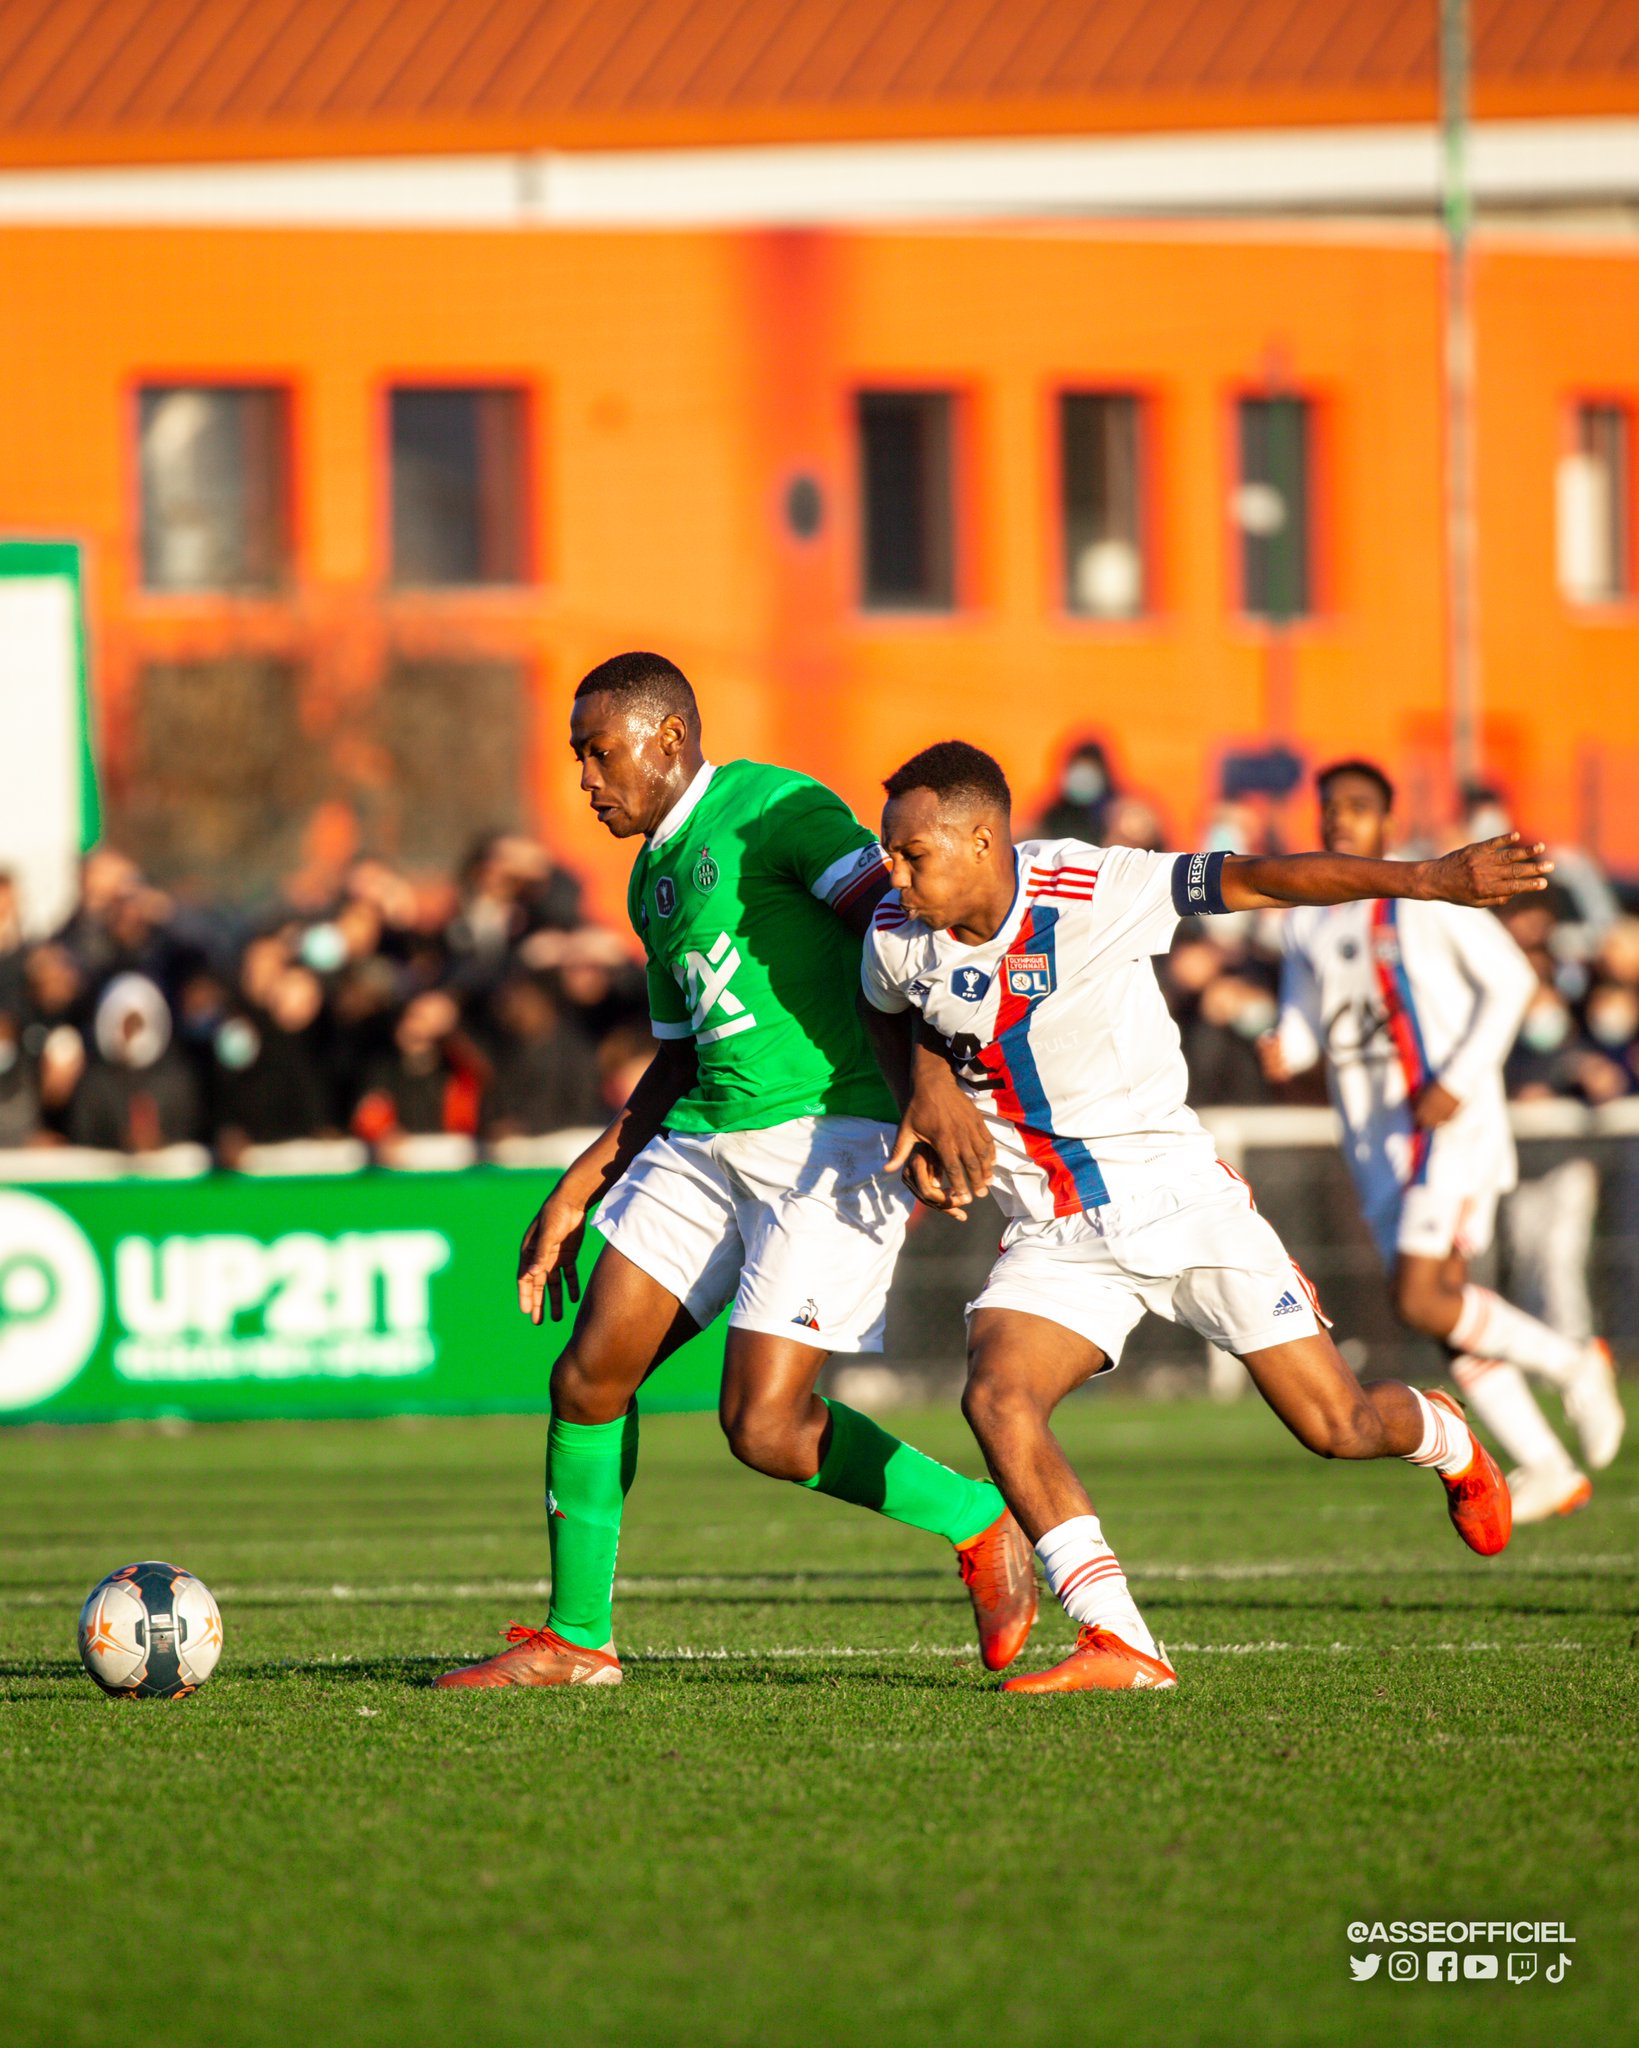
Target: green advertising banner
<point>368,1294</point>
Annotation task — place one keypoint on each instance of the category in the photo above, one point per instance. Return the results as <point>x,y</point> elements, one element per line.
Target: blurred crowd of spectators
<point>487,1006</point>
<point>484,1005</point>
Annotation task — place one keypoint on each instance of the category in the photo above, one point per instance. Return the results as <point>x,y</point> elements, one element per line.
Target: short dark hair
<point>1368,771</point>
<point>643,682</point>
<point>953,769</point>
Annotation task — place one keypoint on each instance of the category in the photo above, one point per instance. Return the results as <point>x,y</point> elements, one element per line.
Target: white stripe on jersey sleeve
<point>846,876</point>
<point>670,1030</point>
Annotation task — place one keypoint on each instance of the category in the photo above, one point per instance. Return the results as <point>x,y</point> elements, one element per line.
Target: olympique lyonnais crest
<point>665,895</point>
<point>1029,975</point>
<point>706,872</point>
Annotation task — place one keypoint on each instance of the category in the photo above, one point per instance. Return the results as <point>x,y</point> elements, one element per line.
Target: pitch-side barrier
<point>311,1282</point>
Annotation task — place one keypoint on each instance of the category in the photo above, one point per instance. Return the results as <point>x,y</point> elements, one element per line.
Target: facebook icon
<point>1441,1965</point>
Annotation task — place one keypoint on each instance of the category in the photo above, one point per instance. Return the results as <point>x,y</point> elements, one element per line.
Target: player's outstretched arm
<point>551,1247</point>
<point>1481,876</point>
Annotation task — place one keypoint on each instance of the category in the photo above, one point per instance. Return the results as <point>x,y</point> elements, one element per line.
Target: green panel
<point>63,558</point>
<point>370,1294</point>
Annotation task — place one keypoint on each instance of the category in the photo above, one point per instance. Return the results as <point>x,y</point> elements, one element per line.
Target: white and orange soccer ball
<point>150,1632</point>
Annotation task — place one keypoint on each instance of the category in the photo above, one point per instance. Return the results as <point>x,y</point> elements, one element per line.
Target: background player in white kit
<point>1033,965</point>
<point>1415,1006</point>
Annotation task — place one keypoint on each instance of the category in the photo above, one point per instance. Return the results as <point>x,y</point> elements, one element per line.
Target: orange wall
<point>681,379</point>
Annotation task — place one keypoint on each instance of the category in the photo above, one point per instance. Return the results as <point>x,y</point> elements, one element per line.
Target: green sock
<point>875,1470</point>
<point>589,1469</point>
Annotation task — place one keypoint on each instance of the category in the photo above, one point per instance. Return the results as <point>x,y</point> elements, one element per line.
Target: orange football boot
<point>538,1657</point>
<point>999,1571</point>
<point>1099,1662</point>
<point>1477,1497</point>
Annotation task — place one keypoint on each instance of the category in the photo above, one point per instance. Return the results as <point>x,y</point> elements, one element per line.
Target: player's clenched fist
<point>1488,873</point>
<point>547,1259</point>
<point>943,1147</point>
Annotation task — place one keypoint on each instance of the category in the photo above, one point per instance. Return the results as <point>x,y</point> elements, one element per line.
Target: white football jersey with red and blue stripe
<point>1057,1026</point>
<point>1397,994</point>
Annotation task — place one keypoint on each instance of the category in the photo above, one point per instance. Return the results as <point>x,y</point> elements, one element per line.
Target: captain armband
<point>1197,885</point>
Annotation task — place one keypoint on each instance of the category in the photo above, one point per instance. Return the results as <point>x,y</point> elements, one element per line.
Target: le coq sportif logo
<point>51,1299</point>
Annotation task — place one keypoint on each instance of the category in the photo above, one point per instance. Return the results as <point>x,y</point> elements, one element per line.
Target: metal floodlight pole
<point>1462,635</point>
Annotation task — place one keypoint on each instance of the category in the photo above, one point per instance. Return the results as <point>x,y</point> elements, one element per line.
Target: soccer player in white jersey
<point>1033,965</point>
<point>1415,1006</point>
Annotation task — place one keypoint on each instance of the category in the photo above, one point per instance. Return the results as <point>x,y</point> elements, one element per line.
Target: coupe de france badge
<point>972,984</point>
<point>665,895</point>
<point>1029,975</point>
<point>706,872</point>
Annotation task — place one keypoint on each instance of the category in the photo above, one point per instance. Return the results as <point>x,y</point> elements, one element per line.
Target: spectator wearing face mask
<point>1546,1053</point>
<point>1610,1022</point>
<point>138,1093</point>
<point>1086,785</point>
<point>269,1083</point>
<point>1223,1001</point>
<point>56,1024</point>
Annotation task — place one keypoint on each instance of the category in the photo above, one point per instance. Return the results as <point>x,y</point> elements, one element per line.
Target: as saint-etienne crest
<point>706,872</point>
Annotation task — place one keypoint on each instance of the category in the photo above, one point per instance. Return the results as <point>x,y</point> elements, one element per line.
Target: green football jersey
<point>736,899</point>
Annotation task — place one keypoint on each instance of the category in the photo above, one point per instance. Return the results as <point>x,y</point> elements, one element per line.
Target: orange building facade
<point>675,386</point>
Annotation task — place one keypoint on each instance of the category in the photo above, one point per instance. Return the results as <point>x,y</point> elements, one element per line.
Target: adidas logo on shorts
<point>1288,1304</point>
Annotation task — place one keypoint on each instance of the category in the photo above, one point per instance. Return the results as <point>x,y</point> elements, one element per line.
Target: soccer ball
<point>150,1632</point>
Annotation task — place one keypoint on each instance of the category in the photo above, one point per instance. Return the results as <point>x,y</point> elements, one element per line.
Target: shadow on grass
<point>418,1672</point>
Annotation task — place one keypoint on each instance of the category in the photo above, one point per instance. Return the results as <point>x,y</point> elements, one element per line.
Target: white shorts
<point>1192,1248</point>
<point>795,1225</point>
<point>1450,1205</point>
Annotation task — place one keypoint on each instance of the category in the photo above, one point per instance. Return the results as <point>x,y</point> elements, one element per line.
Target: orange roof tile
<point>97,81</point>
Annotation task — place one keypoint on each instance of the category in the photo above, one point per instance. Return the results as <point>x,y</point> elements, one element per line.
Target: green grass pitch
<point>807,1817</point>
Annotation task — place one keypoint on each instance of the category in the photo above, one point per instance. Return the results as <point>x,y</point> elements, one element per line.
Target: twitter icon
<point>1364,1967</point>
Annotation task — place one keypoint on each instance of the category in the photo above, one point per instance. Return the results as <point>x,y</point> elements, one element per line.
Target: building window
<point>223,779</point>
<point>458,486</point>
<point>455,737</point>
<point>1272,507</point>
<point>212,459</point>
<point>905,466</point>
<point>1593,484</point>
<point>1103,515</point>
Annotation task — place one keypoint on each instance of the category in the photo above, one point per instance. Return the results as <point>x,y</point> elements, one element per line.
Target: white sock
<point>1446,1446</point>
<point>1490,1327</point>
<point>1500,1396</point>
<point>1087,1578</point>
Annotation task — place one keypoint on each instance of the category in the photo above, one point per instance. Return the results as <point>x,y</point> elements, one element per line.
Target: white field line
<point>775,1653</point>
<point>1607,1564</point>
<point>970,1650</point>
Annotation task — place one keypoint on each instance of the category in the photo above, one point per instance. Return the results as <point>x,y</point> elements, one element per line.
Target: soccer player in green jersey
<point>756,1164</point>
